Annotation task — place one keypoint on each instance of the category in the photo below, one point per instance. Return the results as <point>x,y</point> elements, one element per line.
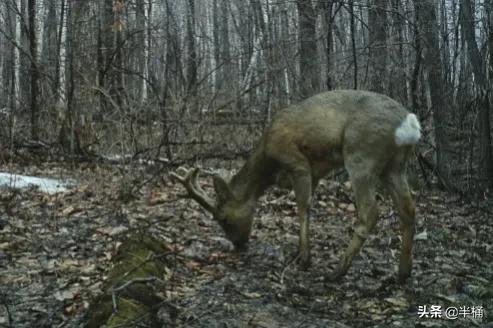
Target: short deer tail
<point>409,131</point>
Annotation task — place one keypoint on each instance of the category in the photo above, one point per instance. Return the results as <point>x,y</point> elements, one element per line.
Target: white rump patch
<point>409,132</point>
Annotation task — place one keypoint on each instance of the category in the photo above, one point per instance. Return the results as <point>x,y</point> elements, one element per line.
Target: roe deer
<point>369,134</point>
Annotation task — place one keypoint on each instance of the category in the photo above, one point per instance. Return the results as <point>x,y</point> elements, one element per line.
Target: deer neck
<point>254,177</point>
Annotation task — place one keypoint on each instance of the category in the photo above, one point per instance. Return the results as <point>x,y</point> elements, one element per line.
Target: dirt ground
<point>56,252</point>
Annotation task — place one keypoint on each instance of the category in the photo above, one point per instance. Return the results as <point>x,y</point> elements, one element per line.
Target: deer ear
<point>223,193</point>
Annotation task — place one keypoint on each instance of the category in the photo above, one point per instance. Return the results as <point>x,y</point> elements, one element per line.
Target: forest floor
<point>56,251</point>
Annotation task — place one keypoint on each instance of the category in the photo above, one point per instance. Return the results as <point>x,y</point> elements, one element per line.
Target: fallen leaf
<point>252,295</point>
<point>399,302</point>
<point>70,210</point>
<point>351,208</point>
<point>64,295</point>
<point>421,236</point>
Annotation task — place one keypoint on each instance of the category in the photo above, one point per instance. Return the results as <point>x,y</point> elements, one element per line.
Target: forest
<point>143,142</point>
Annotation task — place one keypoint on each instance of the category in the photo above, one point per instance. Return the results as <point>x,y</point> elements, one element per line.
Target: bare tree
<point>191,55</point>
<point>56,77</point>
<point>308,57</point>
<point>140,54</point>
<point>33,50</point>
<point>377,21</point>
<point>9,77</point>
<point>428,32</point>
<point>329,42</point>
<point>478,64</point>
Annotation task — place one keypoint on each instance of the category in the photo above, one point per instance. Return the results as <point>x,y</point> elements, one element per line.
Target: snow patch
<point>46,185</point>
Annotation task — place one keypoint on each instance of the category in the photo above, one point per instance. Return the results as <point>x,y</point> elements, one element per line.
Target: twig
<point>114,291</point>
<point>286,267</point>
<point>9,314</point>
<point>202,314</point>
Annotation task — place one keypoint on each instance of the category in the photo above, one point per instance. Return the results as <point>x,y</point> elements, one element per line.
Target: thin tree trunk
<point>67,134</point>
<point>308,57</point>
<point>192,56</point>
<point>400,82</point>
<point>118,91</point>
<point>329,45</point>
<point>24,66</point>
<point>141,53</point>
<point>9,71</point>
<point>378,39</point>
<point>216,46</point>
<point>416,105</point>
<point>34,70</point>
<point>265,41</point>
<point>56,84</point>
<point>106,46</point>
<point>353,44</point>
<point>225,42</point>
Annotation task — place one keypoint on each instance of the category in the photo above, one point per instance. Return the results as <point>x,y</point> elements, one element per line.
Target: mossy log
<point>130,292</point>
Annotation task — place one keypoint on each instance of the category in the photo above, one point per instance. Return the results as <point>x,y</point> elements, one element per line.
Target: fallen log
<point>131,292</point>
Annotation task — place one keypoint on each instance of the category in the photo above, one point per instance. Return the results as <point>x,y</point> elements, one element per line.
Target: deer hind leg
<point>364,188</point>
<point>302,186</point>
<point>396,183</point>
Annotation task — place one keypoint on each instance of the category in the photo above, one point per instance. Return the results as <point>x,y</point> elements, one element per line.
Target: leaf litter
<point>56,252</point>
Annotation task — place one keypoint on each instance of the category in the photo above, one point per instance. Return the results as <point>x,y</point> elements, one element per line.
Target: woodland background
<point>168,80</point>
<point>110,95</point>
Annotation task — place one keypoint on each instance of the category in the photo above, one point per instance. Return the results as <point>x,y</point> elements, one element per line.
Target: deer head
<point>233,215</point>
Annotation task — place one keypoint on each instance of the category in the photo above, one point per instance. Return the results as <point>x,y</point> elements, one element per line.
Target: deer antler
<point>189,181</point>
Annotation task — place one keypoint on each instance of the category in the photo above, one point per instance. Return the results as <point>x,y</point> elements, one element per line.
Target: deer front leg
<point>298,168</point>
<point>364,188</point>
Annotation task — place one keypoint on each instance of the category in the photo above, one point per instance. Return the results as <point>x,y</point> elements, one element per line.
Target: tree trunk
<point>141,51</point>
<point>399,82</point>
<point>308,56</point>
<point>34,70</point>
<point>192,57</point>
<point>8,71</point>
<point>490,93</point>
<point>428,27</point>
<point>415,103</point>
<point>106,49</point>
<point>477,63</point>
<point>353,44</point>
<point>67,135</point>
<point>57,78</point>
<point>216,46</point>
<point>265,41</point>
<point>48,54</point>
<point>118,91</point>
<point>377,18</point>
<point>24,60</point>
<point>329,45</point>
<point>225,43</point>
